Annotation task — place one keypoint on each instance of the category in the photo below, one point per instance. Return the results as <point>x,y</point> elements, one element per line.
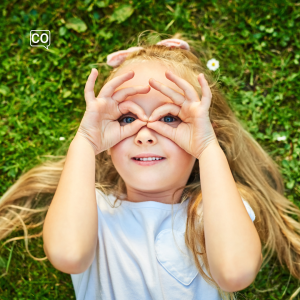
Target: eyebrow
<point>129,113</point>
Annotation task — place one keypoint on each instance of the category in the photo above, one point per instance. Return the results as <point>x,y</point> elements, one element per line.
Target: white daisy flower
<point>213,64</point>
<point>61,138</point>
<point>281,138</point>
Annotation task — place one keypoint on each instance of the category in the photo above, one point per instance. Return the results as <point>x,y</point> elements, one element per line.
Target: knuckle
<point>127,104</point>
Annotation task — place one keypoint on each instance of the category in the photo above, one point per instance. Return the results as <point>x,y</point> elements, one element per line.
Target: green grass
<point>256,42</point>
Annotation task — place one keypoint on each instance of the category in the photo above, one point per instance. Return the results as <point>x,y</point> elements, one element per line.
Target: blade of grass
<point>10,255</point>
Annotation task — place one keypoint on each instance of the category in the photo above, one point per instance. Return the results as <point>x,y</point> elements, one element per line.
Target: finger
<point>163,110</point>
<point>163,129</point>
<point>122,94</point>
<point>109,88</point>
<point>129,106</point>
<point>131,128</point>
<point>89,93</point>
<point>188,89</point>
<point>166,90</point>
<point>206,92</point>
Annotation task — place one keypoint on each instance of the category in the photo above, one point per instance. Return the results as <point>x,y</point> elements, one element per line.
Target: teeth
<point>149,158</point>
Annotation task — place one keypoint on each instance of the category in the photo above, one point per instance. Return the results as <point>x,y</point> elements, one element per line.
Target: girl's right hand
<point>100,125</point>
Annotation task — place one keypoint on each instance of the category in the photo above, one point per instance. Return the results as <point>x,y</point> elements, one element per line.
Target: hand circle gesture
<point>195,132</point>
<point>99,124</point>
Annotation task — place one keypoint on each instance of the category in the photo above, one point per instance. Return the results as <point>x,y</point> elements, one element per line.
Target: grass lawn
<point>41,91</point>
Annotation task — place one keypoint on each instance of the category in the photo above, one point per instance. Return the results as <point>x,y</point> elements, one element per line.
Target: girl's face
<point>158,181</point>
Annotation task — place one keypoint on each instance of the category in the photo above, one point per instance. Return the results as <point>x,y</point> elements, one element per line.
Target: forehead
<point>143,71</point>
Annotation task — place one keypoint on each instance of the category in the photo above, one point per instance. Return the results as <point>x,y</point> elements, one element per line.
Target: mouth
<point>143,161</point>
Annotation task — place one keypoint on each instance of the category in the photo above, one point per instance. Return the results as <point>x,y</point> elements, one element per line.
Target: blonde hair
<point>257,176</point>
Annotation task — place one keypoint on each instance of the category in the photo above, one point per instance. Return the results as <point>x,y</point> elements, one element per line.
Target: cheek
<point>120,150</point>
<point>184,160</point>
<point>180,157</point>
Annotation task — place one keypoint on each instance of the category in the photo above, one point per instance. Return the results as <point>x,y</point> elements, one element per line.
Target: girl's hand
<point>99,124</point>
<point>195,132</point>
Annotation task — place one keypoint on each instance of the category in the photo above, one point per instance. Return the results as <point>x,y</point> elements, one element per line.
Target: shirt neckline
<point>154,204</point>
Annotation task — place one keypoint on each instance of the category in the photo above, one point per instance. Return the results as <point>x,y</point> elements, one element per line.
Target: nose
<point>145,136</point>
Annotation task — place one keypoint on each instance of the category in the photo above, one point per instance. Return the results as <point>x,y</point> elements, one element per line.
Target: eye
<point>130,118</point>
<point>169,118</point>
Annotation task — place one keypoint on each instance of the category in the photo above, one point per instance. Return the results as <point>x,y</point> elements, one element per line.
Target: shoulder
<point>105,202</point>
<point>101,197</point>
<point>99,194</point>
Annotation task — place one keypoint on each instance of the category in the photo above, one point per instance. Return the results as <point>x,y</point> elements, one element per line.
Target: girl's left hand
<point>195,132</point>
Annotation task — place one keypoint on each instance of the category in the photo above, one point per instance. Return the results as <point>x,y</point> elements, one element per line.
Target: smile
<point>147,162</point>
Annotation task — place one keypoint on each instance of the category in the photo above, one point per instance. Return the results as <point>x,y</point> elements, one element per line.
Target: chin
<point>146,185</point>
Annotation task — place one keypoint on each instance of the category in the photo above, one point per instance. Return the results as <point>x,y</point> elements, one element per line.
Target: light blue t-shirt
<point>137,257</point>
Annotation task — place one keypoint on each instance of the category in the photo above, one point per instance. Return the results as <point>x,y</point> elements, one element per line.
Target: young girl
<point>159,137</point>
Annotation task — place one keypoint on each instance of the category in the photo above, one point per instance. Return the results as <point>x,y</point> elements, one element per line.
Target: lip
<point>144,155</point>
<point>148,163</point>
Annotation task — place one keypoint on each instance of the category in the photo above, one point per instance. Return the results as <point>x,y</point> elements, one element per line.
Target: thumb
<point>131,128</point>
<point>163,129</point>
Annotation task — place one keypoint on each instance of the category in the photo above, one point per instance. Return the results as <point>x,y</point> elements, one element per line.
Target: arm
<point>232,242</point>
<point>70,227</point>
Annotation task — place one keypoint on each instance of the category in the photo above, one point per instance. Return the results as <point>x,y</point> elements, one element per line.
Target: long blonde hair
<point>257,176</point>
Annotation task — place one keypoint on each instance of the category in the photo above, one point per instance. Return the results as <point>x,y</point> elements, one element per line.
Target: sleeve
<point>249,210</point>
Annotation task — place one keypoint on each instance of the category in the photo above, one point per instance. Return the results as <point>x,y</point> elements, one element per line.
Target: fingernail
<point>150,119</point>
<point>146,117</point>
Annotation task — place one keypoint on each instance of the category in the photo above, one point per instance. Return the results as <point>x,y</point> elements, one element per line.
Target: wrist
<point>214,144</point>
<point>82,139</point>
